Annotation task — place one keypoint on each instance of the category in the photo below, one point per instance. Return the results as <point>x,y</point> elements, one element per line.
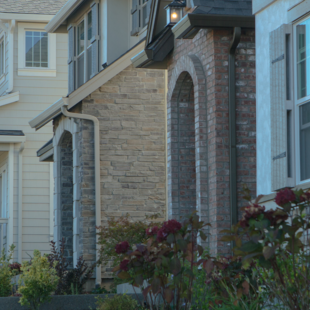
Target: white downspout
<point>11,56</point>
<point>20,202</point>
<point>95,120</point>
<point>10,204</point>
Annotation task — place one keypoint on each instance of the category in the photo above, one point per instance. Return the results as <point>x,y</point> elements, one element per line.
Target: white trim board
<point>86,89</point>
<point>25,17</point>
<point>10,98</point>
<point>12,139</point>
<point>258,5</point>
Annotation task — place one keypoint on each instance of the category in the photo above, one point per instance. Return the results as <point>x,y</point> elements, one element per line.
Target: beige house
<point>33,74</point>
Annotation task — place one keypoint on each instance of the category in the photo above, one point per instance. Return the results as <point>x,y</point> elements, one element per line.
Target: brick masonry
<point>131,110</point>
<point>202,64</point>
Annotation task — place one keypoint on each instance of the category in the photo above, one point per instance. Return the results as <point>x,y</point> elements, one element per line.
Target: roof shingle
<point>223,7</point>
<point>44,7</point>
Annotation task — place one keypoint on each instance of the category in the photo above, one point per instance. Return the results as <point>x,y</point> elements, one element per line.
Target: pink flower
<point>152,231</point>
<point>124,265</point>
<point>122,247</point>
<point>285,196</point>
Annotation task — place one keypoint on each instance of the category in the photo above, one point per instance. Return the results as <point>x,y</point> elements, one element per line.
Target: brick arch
<point>188,73</point>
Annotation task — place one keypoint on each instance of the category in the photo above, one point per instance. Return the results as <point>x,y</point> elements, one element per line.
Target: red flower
<point>285,196</point>
<point>169,227</point>
<point>124,265</point>
<point>275,217</point>
<point>251,212</point>
<point>152,231</point>
<point>122,247</point>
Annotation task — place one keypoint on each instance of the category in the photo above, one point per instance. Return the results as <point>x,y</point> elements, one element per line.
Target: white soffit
<point>62,15</point>
<point>10,98</point>
<point>12,139</point>
<point>87,88</point>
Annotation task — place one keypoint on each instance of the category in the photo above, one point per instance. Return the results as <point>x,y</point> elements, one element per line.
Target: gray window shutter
<point>95,38</point>
<point>148,10</point>
<point>135,18</point>
<point>281,107</point>
<point>71,60</point>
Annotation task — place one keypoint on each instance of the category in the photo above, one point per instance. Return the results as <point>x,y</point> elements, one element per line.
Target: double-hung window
<point>2,57</point>
<point>302,99</point>
<point>140,15</point>
<point>83,48</point>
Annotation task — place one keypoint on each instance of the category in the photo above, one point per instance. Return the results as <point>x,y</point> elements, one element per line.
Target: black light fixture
<point>174,12</point>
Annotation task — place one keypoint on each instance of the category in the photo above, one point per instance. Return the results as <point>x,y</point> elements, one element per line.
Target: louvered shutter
<point>148,10</point>
<point>135,18</point>
<point>280,105</point>
<point>95,38</point>
<point>71,59</point>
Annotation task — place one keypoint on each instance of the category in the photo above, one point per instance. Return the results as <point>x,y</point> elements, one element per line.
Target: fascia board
<point>86,89</point>
<point>12,139</point>
<point>26,17</point>
<point>190,22</point>
<point>62,15</point>
<point>47,155</point>
<point>10,98</point>
<point>47,115</point>
<point>139,59</point>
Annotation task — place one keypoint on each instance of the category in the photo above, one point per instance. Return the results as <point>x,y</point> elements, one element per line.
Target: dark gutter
<point>232,125</point>
<point>155,53</point>
<point>46,147</point>
<point>190,24</point>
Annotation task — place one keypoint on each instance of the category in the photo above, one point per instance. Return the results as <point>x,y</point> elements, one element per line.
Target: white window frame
<point>297,104</point>
<point>4,200</point>
<point>2,76</point>
<point>85,18</point>
<point>50,71</point>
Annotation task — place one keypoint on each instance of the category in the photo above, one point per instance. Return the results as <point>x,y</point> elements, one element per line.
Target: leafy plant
<point>118,302</point>
<point>6,272</point>
<point>165,262</point>
<point>119,229</point>
<point>37,281</point>
<point>278,240</point>
<point>71,281</point>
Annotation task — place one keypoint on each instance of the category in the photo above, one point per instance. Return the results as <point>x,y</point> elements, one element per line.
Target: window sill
<point>36,72</point>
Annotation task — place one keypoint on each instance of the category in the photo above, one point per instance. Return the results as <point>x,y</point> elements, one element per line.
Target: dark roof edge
<point>11,133</point>
<point>46,147</point>
<point>190,24</point>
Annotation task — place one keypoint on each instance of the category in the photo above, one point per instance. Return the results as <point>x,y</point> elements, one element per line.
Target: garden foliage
<point>118,302</point>
<point>71,281</point>
<point>6,272</point>
<point>37,281</point>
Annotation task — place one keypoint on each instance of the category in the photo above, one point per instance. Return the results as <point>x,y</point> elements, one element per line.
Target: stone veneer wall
<point>207,57</point>
<point>131,110</point>
<point>66,170</point>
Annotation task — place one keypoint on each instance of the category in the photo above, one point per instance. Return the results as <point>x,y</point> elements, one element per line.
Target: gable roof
<point>223,7</point>
<point>44,7</point>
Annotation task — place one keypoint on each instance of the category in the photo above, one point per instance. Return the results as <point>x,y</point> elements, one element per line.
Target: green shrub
<point>37,281</point>
<point>118,302</point>
<point>6,272</point>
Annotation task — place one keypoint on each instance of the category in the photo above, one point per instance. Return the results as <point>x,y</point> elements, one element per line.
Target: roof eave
<point>59,19</point>
<point>190,24</point>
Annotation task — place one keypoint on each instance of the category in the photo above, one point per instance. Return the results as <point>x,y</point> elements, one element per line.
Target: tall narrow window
<point>304,112</point>
<point>89,46</point>
<point>80,53</point>
<point>2,59</point>
<point>36,49</point>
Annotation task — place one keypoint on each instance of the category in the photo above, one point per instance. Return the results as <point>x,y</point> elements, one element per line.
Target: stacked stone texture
<point>131,111</point>
<point>211,47</point>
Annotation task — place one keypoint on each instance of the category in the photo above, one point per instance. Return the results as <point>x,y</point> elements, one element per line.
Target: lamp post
<point>174,12</point>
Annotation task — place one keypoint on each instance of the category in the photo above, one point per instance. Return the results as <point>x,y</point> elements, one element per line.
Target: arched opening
<point>181,149</point>
<point>66,195</point>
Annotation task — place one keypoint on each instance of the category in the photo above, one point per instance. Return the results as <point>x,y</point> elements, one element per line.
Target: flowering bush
<point>165,262</point>
<point>278,241</point>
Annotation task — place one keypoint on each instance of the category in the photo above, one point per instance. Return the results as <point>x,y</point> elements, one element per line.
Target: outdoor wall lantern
<point>174,12</point>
